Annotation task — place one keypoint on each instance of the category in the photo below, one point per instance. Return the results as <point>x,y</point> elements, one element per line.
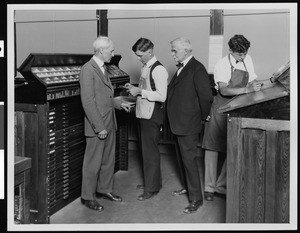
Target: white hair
<point>183,43</point>
<point>102,42</point>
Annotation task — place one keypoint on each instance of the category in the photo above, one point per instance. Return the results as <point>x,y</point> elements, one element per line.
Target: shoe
<point>209,196</point>
<point>179,192</point>
<point>146,195</point>
<point>109,196</point>
<point>92,204</point>
<point>221,195</point>
<point>193,207</point>
<point>140,186</point>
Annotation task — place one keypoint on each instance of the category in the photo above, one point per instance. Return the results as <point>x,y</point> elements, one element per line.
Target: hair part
<point>143,45</point>
<point>239,44</point>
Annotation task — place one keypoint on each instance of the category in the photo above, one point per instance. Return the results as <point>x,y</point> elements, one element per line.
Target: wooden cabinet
<point>56,148</point>
<point>258,156</point>
<point>49,128</point>
<point>258,165</point>
<point>22,189</point>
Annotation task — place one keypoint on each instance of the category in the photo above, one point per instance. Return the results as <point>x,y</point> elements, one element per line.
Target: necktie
<point>105,72</point>
<point>104,68</point>
<point>179,65</point>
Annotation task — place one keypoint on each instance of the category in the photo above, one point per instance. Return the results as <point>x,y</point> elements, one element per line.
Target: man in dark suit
<point>97,96</point>
<point>189,99</point>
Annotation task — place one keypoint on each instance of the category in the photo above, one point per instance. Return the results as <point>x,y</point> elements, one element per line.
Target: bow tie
<point>179,65</point>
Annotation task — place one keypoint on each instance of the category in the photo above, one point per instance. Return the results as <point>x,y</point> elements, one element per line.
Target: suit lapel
<point>185,70</point>
<point>101,75</point>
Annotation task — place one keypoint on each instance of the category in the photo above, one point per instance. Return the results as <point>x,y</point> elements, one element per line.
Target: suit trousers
<point>98,166</point>
<point>189,155</point>
<point>149,135</point>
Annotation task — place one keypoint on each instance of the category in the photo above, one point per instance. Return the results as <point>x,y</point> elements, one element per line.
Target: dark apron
<point>215,131</point>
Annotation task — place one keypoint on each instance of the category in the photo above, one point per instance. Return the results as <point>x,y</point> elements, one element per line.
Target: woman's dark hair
<point>142,45</point>
<point>239,44</point>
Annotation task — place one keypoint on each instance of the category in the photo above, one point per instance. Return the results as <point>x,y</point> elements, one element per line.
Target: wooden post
<point>215,38</point>
<point>216,22</point>
<point>102,23</point>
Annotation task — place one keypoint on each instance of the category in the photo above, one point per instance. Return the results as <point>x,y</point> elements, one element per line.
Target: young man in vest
<point>151,94</point>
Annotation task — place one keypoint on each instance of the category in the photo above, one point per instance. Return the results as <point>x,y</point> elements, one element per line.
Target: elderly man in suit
<point>97,96</point>
<point>189,99</point>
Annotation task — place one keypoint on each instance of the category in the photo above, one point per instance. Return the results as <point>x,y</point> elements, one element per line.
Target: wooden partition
<point>258,165</point>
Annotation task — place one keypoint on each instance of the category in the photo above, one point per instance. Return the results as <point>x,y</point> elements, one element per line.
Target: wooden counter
<point>258,156</point>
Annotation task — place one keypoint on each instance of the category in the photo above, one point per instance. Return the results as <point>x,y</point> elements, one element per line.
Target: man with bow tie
<point>189,99</point>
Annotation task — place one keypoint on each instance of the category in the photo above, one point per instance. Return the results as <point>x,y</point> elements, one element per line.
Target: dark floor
<point>163,208</point>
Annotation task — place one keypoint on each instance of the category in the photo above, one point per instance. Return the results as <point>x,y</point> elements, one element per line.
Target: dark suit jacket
<point>97,97</point>
<point>189,99</point>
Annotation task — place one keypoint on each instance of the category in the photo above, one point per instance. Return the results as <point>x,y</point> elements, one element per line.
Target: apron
<point>215,131</point>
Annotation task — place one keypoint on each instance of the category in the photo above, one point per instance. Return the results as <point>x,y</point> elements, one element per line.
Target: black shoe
<point>92,204</point>
<point>179,192</point>
<point>109,196</point>
<point>209,196</point>
<point>140,186</point>
<point>146,195</point>
<point>221,195</point>
<point>193,207</point>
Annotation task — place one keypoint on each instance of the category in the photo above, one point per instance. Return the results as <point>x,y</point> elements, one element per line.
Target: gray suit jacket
<point>97,97</point>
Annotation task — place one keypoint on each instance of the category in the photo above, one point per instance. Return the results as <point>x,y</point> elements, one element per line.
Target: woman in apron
<point>234,75</point>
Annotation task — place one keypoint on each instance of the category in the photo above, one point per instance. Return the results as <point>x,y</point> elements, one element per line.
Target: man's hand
<point>133,90</point>
<point>128,86</point>
<point>103,134</point>
<point>127,106</point>
<point>253,86</point>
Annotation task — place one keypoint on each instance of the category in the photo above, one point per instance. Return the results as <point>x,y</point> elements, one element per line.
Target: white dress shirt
<point>184,64</point>
<point>222,69</point>
<point>99,63</point>
<point>160,77</point>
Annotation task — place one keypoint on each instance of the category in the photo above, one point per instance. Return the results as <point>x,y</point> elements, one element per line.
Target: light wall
<point>73,31</point>
<point>266,29</point>
<point>126,27</point>
<point>54,31</point>
<point>268,32</point>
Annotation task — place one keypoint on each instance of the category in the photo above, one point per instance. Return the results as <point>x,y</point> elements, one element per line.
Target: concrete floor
<point>162,209</point>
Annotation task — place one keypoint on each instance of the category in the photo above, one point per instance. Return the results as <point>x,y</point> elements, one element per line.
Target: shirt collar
<point>99,62</point>
<point>151,62</point>
<point>187,60</point>
<point>234,61</point>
